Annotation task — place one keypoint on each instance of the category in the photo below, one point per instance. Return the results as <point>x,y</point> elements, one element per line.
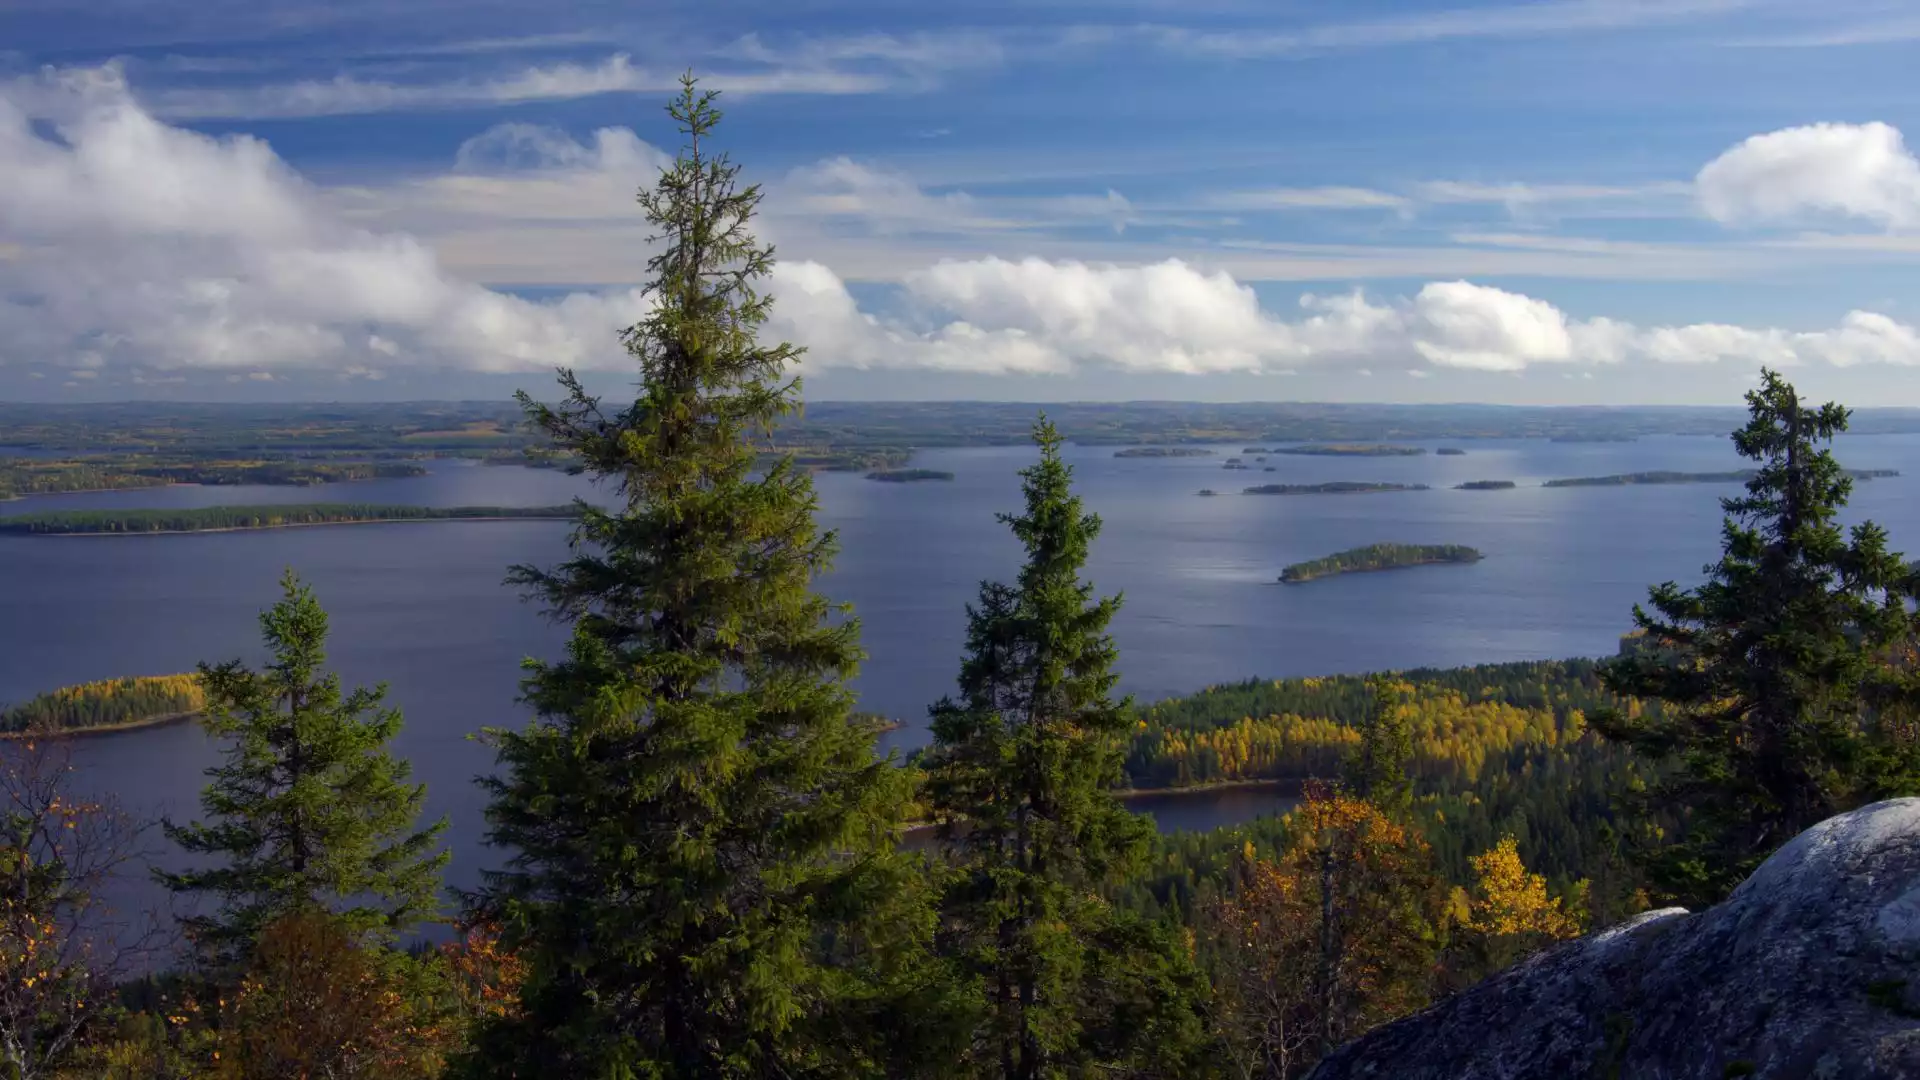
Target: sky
<point>1554,202</point>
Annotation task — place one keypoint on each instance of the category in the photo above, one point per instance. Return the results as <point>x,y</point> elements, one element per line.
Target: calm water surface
<point>421,606</point>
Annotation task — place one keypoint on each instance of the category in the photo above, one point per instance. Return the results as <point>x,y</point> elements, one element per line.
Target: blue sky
<point>1563,201</point>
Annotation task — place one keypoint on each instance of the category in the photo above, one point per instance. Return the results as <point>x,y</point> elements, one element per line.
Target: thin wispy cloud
<point>1555,17</point>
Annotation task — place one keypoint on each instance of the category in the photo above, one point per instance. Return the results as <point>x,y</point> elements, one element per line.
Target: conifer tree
<point>1377,769</point>
<point>307,810</point>
<point>701,880</point>
<point>1779,697</point>
<point>1020,779</point>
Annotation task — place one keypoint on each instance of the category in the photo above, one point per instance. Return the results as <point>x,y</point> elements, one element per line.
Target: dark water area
<point>422,607</point>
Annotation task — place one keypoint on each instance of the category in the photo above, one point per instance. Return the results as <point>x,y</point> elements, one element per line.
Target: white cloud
<point>346,95</point>
<point>141,250</point>
<point>1855,170</point>
<point>1310,198</point>
<point>162,248</point>
<point>1541,19</point>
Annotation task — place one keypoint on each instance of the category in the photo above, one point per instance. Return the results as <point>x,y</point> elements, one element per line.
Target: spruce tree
<point>1020,779</point>
<point>1377,769</point>
<point>1779,694</point>
<point>701,876</point>
<point>307,810</point>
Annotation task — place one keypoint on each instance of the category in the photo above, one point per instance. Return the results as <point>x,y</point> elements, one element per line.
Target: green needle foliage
<point>1020,779</point>
<point>1783,674</point>
<point>307,809</point>
<point>702,877</point>
<point>1377,771</point>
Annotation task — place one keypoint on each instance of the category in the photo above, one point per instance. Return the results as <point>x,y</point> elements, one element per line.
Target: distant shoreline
<point>162,720</point>
<point>289,525</point>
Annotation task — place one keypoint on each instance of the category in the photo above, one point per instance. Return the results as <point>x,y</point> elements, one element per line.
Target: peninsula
<point>1378,557</point>
<point>1736,476</point>
<point>1351,450</point>
<point>108,705</point>
<point>1336,487</point>
<point>908,476</point>
<point>239,518</point>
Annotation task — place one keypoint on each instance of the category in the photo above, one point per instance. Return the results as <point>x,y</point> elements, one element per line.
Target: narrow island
<point>1351,450</point>
<point>1378,557</point>
<point>1451,451</point>
<point>1594,438</point>
<point>1736,476</point>
<point>239,518</point>
<point>908,476</point>
<point>108,705</point>
<point>1336,487</point>
<point>1207,491</point>
<point>1162,451</point>
<point>1484,485</point>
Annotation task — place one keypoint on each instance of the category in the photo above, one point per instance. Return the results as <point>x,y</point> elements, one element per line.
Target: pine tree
<point>1377,769</point>
<point>1779,694</point>
<point>1020,779</point>
<point>307,810</point>
<point>702,880</point>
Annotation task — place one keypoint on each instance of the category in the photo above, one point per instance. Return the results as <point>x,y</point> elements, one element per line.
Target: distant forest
<point>215,518</point>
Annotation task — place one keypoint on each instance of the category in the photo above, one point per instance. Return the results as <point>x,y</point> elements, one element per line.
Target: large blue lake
<point>422,607</point>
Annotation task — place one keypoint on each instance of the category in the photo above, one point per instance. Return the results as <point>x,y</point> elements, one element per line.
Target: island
<point>1378,557</point>
<point>1451,451</point>
<point>1737,476</point>
<point>1253,450</point>
<point>240,518</point>
<point>1207,491</point>
<point>1162,451</point>
<point>1596,437</point>
<point>108,705</point>
<point>1351,450</point>
<point>1336,487</point>
<point>908,476</point>
<point>1484,485</point>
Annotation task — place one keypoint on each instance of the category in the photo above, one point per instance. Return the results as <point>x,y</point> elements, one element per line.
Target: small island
<point>1207,491</point>
<point>1351,450</point>
<point>1594,438</point>
<point>240,518</point>
<point>1337,487</point>
<point>1737,476</point>
<point>1162,451</point>
<point>908,476</point>
<point>1451,451</point>
<point>1253,450</point>
<point>1484,485</point>
<point>109,705</point>
<point>1378,557</point>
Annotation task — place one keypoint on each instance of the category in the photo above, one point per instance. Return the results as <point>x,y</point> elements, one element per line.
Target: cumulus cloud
<point>1862,171</point>
<point>154,246</point>
<point>134,250</point>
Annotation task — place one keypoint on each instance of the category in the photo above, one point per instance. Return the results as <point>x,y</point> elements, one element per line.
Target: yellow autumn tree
<point>1510,915</point>
<point>1334,936</point>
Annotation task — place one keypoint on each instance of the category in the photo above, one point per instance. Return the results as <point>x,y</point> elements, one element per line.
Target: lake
<point>422,607</point>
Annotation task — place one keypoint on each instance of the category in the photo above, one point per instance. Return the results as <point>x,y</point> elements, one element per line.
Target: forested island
<point>1351,450</point>
<point>1736,476</point>
<point>1335,487</point>
<point>908,476</point>
<point>108,705</point>
<point>33,476</point>
<point>238,518</point>
<point>1162,452</point>
<point>1377,557</point>
<point>1450,451</point>
<point>1484,485</point>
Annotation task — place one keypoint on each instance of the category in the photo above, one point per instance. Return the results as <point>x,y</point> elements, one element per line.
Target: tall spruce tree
<point>701,878</point>
<point>1020,779</point>
<point>1377,769</point>
<point>1776,675</point>
<point>307,810</point>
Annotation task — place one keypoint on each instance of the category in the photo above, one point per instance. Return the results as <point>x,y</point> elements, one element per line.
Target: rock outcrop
<point>1810,969</point>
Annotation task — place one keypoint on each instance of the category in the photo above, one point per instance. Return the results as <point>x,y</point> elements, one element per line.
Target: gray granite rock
<point>1810,969</point>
